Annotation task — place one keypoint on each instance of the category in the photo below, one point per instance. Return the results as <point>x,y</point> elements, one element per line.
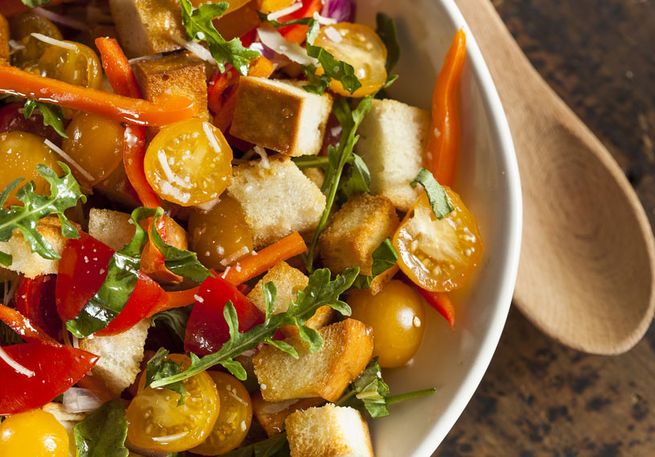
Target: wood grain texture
<point>539,398</point>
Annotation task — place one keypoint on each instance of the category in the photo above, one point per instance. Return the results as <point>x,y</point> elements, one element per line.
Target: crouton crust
<point>347,348</point>
<point>111,227</point>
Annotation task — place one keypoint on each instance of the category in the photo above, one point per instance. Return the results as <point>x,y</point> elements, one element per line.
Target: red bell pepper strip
<point>206,329</point>
<point>29,331</point>
<point>298,33</point>
<point>117,68</point>
<point>14,81</point>
<point>54,369</point>
<point>441,302</point>
<point>443,146</point>
<point>35,299</point>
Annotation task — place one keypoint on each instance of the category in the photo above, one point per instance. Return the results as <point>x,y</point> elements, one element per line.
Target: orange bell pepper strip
<point>134,111</point>
<point>246,268</point>
<point>298,33</point>
<point>24,327</point>
<point>443,146</point>
<point>122,80</point>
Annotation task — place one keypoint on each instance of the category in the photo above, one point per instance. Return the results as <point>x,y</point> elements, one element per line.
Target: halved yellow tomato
<point>439,255</point>
<point>157,423</point>
<point>361,47</point>
<point>189,163</point>
<point>33,433</point>
<point>78,65</point>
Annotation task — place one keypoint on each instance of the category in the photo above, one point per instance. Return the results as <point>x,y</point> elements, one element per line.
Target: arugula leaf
<point>388,33</point>
<point>64,194</point>
<point>270,294</point>
<point>199,27</point>
<point>159,367</point>
<point>275,446</point>
<point>359,178</point>
<point>179,261</point>
<point>52,115</point>
<point>439,201</point>
<point>311,162</point>
<point>320,291</point>
<point>338,157</point>
<point>122,275</point>
<point>103,433</point>
<point>8,336</point>
<point>333,69</point>
<point>175,320</point>
<point>384,257</point>
<point>34,3</point>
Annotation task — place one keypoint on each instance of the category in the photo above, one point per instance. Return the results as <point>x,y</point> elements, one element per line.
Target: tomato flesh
<point>157,423</point>
<point>33,433</point>
<point>234,418</point>
<point>55,368</point>
<point>206,329</point>
<point>35,299</point>
<point>438,255</point>
<point>79,65</point>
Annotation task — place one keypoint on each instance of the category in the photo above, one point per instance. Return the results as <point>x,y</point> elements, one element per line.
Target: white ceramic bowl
<point>455,360</point>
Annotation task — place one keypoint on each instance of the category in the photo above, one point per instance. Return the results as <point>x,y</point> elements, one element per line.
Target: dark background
<point>539,398</point>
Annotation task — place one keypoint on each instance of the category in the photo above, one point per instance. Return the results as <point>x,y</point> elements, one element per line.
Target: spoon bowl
<point>586,273</point>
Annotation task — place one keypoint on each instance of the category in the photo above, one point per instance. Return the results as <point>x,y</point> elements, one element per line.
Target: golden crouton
<point>280,116</point>
<point>346,349</point>
<point>148,26</point>
<point>276,198</point>
<point>120,356</point>
<point>29,263</point>
<point>393,138</point>
<point>356,231</point>
<point>328,431</point>
<point>288,282</point>
<point>271,415</point>
<point>110,227</point>
<point>180,73</point>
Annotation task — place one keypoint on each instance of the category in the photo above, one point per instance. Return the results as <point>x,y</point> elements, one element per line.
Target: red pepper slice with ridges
<point>27,330</point>
<point>55,369</point>
<point>206,329</point>
<point>35,299</point>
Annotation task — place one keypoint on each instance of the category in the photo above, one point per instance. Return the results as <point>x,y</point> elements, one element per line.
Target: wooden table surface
<point>539,398</point>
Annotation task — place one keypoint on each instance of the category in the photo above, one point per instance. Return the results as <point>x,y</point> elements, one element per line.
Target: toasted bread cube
<point>277,199</point>
<point>111,227</point>
<point>4,41</point>
<point>347,348</point>
<point>356,231</point>
<point>120,356</point>
<point>280,116</point>
<point>148,26</point>
<point>271,415</point>
<point>393,139</point>
<point>328,431</point>
<point>288,282</point>
<point>179,73</point>
<point>30,263</point>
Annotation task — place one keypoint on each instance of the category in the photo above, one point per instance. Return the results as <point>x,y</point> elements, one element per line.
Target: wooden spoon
<point>587,269</point>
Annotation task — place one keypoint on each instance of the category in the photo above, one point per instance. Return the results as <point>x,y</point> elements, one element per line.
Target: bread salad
<point>217,229</point>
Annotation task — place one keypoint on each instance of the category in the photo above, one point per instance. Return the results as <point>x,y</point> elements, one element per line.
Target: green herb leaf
<point>175,320</point>
<point>103,433</point>
<point>333,69</point>
<point>320,291</point>
<point>338,158</point>
<point>159,367</point>
<point>384,257</point>
<point>64,194</point>
<point>8,336</point>
<point>179,261</point>
<point>282,346</point>
<point>386,30</point>
<point>441,205</point>
<point>199,27</point>
<point>34,3</point>
<point>359,178</point>
<point>52,115</point>
<point>122,275</point>
<point>311,161</point>
<point>270,293</point>
<point>275,446</point>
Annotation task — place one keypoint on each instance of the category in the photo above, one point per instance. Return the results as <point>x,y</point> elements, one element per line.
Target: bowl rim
<point>501,133</point>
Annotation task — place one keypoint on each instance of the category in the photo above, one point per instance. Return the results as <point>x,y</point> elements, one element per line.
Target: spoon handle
<point>587,269</point>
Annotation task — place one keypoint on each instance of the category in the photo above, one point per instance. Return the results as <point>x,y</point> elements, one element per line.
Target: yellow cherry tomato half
<point>361,47</point>
<point>396,316</point>
<point>189,163</point>
<point>157,423</point>
<point>22,27</point>
<point>35,434</point>
<point>76,64</point>
<point>233,420</point>
<point>438,254</point>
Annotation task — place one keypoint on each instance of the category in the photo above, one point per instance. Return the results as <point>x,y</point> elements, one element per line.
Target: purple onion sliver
<point>339,10</point>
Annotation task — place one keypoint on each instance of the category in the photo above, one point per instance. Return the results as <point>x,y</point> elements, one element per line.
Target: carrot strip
<point>246,268</point>
<point>443,146</point>
<point>125,109</point>
<point>24,327</point>
<point>117,67</point>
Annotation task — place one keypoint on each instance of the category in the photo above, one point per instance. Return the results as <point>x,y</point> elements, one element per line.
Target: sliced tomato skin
<point>35,299</point>
<point>206,329</point>
<point>56,369</point>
